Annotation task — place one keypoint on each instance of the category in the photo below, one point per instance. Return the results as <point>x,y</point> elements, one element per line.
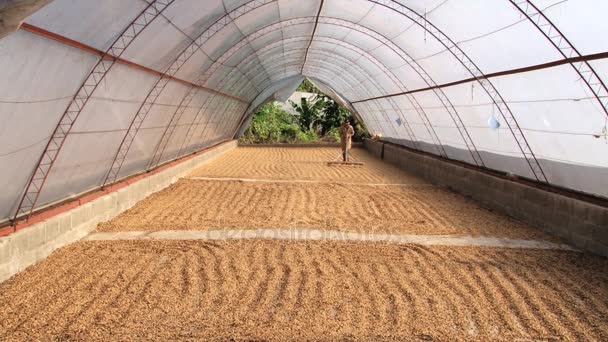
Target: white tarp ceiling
<point>516,86</point>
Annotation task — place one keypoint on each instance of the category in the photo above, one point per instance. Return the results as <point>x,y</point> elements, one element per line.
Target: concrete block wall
<point>374,147</point>
<point>583,224</point>
<point>34,243</point>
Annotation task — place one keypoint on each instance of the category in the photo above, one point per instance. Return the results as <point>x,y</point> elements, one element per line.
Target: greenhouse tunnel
<point>97,91</point>
<point>138,203</point>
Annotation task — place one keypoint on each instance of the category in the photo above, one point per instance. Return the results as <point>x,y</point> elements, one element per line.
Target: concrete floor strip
<point>296,181</point>
<point>298,234</point>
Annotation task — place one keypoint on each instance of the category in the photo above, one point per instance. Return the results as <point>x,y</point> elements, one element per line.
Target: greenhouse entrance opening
<point>304,115</point>
<point>175,170</point>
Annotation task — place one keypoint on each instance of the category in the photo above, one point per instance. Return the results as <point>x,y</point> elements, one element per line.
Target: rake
<point>351,162</point>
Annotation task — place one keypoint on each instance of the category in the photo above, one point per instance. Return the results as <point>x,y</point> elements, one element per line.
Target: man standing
<point>346,134</point>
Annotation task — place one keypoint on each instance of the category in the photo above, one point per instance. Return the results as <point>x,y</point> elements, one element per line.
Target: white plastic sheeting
<point>414,72</point>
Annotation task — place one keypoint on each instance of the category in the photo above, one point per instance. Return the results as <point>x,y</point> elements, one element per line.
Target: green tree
<point>271,124</point>
<point>334,114</point>
<point>317,118</point>
<point>324,116</point>
<point>310,112</point>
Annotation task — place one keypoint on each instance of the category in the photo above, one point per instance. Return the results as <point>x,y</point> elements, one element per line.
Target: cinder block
<point>577,221</point>
<point>123,198</point>
<point>598,214</point>
<point>89,214</point>
<point>600,233</point>
<point>78,216</point>
<point>43,251</point>
<point>98,207</point>
<point>374,147</point>
<point>52,230</point>
<point>25,260</point>
<point>29,238</point>
<point>562,204</point>
<point>111,205</point>
<point>486,180</point>
<point>537,196</point>
<point>5,250</point>
<point>26,247</point>
<point>65,222</point>
<point>582,209</point>
<point>136,193</point>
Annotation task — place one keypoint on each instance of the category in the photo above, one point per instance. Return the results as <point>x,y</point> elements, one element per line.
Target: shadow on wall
<point>588,179</point>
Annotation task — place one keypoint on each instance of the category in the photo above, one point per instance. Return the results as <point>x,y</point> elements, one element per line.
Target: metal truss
<point>382,67</point>
<point>228,124</point>
<point>191,127</point>
<point>198,118</point>
<point>191,132</point>
<point>314,31</point>
<point>339,72</point>
<point>354,65</point>
<point>267,49</point>
<point>160,85</point>
<point>585,71</point>
<point>254,54</point>
<point>420,71</point>
<point>212,126</point>
<point>168,132</point>
<point>474,70</point>
<point>412,63</point>
<point>215,112</point>
<point>544,25</point>
<point>398,110</point>
<point>234,107</point>
<point>46,161</point>
<point>319,71</point>
<point>255,35</point>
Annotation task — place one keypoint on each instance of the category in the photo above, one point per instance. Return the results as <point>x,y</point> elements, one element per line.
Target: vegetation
<point>307,87</point>
<point>272,124</point>
<point>318,120</point>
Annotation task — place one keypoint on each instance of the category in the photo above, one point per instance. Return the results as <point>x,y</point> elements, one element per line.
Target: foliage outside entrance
<point>318,120</point>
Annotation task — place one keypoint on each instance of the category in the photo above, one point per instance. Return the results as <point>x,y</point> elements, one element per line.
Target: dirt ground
<point>303,163</point>
<point>344,201</point>
<point>271,290</point>
<point>200,205</point>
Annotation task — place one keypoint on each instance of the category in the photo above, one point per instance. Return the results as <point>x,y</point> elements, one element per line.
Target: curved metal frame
<point>412,63</point>
<point>273,45</point>
<point>379,111</point>
<point>314,32</point>
<point>585,71</point>
<point>375,83</point>
<point>532,13</point>
<point>303,20</point>
<point>46,161</point>
<point>192,129</point>
<point>156,90</point>
<point>346,85</point>
<point>339,72</point>
<point>474,70</point>
<point>414,105</point>
<point>196,121</point>
<point>446,103</point>
<point>396,107</point>
<point>297,51</point>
